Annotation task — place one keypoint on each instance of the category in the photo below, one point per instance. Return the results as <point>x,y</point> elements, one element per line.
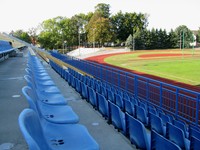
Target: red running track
<point>100,59</point>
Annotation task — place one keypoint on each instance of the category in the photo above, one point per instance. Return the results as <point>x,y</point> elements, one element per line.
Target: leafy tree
<point>33,35</point>
<point>128,23</point>
<point>99,28</point>
<point>103,10</point>
<point>198,36</point>
<point>185,35</point>
<point>51,35</point>
<point>172,40</point>
<point>22,35</point>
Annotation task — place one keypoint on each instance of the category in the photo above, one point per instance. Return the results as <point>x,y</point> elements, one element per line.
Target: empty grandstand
<point>144,113</point>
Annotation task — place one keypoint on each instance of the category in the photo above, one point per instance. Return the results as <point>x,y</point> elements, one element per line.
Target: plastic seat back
<point>78,86</point>
<point>129,107</point>
<point>194,132</point>
<point>104,92</point>
<point>119,101</point>
<point>159,142</point>
<point>176,135</point>
<point>92,97</point>
<point>182,126</point>
<point>141,115</point>
<point>195,143</point>
<point>117,117</point>
<point>111,96</point>
<point>165,118</point>
<point>138,134</point>
<point>103,106</point>
<point>84,90</point>
<point>156,124</point>
<point>31,129</point>
<point>28,93</point>
<point>152,110</point>
<point>73,81</point>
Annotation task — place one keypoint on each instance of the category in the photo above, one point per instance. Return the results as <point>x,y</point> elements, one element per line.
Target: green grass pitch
<point>181,66</point>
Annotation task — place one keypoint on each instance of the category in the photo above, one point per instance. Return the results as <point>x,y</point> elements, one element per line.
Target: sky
<point>164,14</point>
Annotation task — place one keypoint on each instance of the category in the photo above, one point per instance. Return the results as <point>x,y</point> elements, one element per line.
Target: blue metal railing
<point>180,102</point>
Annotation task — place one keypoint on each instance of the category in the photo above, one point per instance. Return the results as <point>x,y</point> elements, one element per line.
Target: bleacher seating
<point>43,135</point>
<point>160,142</point>
<point>5,45</point>
<point>50,123</point>
<point>127,107</point>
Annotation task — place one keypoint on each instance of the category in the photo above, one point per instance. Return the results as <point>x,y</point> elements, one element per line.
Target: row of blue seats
<point>50,123</point>
<point>120,98</point>
<point>119,109</point>
<point>5,45</point>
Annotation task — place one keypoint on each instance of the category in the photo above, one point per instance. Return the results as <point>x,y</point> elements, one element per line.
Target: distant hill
<point>14,43</point>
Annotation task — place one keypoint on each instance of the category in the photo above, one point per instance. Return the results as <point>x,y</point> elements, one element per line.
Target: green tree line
<point>101,28</point>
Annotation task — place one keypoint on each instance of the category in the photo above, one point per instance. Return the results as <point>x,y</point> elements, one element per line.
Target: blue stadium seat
<point>111,96</point>
<point>138,134</point>
<point>126,96</point>
<point>78,86</point>
<point>70,79</point>
<point>194,132</point>
<point>117,117</point>
<point>119,101</point>
<point>152,110</point>
<point>46,96</point>
<point>73,81</point>
<point>104,92</point>
<point>129,107</point>
<point>144,105</point>
<point>98,88</point>
<point>195,143</point>
<point>134,101</point>
<point>156,124</point>
<point>103,106</point>
<point>165,118</point>
<point>176,135</point>
<point>159,142</point>
<point>52,113</point>
<point>84,90</point>
<point>41,87</point>
<point>42,135</point>
<point>92,97</point>
<point>141,115</point>
<point>182,126</point>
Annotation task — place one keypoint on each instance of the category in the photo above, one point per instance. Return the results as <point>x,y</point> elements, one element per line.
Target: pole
<point>183,45</point>
<point>192,45</point>
<point>133,40</point>
<point>79,40</point>
<point>63,47</point>
<point>93,39</point>
<point>180,40</point>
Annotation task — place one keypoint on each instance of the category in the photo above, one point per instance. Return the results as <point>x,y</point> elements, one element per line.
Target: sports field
<point>182,66</point>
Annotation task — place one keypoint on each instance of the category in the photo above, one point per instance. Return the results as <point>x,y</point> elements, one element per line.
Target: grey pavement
<point>12,102</point>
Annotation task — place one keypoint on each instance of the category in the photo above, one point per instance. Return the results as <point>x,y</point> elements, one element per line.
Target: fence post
<point>147,90</point>
<point>119,84</point>
<point>161,95</point>
<point>101,73</point>
<point>177,94</point>
<point>126,82</point>
<point>136,87</point>
<point>197,110</point>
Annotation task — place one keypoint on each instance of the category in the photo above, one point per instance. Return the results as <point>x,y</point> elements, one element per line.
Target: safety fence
<point>180,102</point>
